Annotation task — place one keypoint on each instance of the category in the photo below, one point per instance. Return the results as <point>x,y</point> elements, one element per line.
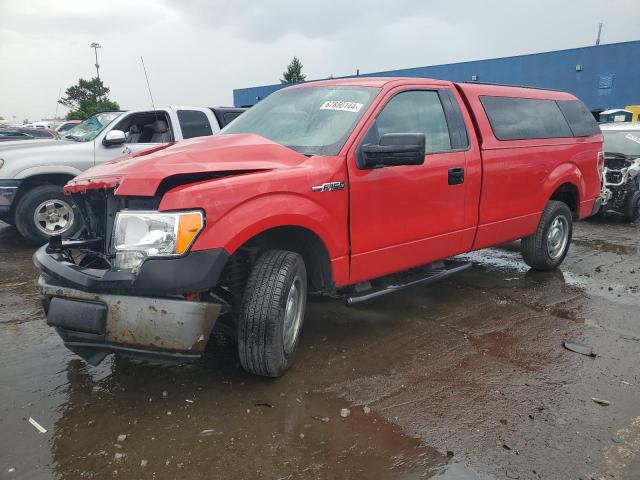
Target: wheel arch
<point>568,193</point>
<point>37,179</point>
<point>566,184</point>
<point>295,238</point>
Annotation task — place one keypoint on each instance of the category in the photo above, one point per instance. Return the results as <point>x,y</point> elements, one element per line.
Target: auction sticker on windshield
<point>341,105</point>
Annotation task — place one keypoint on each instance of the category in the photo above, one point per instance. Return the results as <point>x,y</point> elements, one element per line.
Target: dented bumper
<point>95,324</point>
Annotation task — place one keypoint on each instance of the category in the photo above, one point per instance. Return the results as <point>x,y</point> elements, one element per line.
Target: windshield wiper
<point>72,137</point>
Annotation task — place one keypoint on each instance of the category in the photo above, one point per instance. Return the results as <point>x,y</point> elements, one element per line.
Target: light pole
<point>95,47</point>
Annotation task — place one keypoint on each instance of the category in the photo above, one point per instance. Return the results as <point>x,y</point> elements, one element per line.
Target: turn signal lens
<point>601,164</point>
<point>189,226</point>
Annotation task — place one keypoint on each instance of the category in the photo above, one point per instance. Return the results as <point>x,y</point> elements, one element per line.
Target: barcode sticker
<point>341,105</point>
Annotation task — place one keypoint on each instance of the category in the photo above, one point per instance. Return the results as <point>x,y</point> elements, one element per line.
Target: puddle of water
<point>200,421</point>
<point>457,471</point>
<point>510,262</point>
<point>605,246</point>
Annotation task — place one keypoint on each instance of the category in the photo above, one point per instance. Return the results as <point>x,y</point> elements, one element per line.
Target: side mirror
<point>394,149</point>
<point>113,138</point>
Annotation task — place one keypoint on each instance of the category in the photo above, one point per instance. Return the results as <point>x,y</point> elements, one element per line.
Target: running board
<point>413,277</point>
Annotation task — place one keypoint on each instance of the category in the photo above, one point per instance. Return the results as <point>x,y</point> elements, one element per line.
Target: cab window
<point>417,111</point>
<point>194,124</point>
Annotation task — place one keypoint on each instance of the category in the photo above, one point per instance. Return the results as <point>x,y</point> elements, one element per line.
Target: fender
<point>48,169</point>
<point>564,173</point>
<point>259,214</point>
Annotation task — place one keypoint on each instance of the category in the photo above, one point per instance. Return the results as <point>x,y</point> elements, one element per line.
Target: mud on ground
<point>461,380</point>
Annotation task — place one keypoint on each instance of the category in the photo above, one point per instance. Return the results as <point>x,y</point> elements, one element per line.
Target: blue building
<point>603,76</point>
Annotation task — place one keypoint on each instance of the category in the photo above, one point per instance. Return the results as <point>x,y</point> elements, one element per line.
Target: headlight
<point>138,235</point>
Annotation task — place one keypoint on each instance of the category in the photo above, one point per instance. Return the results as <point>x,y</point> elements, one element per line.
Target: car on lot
<point>68,125</point>
<point>32,174</point>
<point>351,188</point>
<point>615,115</point>
<point>621,185</point>
<point>10,134</point>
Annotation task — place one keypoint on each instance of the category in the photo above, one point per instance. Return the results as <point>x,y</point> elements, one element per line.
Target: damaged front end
<point>621,185</point>
<point>151,309</point>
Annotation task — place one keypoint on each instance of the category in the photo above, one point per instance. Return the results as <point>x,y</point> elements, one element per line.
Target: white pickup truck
<point>32,173</point>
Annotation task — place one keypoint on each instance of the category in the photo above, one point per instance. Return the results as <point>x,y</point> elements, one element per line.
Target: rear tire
<point>272,313</point>
<point>45,211</point>
<point>548,246</point>
<point>632,207</point>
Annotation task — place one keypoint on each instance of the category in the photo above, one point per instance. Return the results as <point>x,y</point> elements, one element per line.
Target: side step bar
<point>434,273</point>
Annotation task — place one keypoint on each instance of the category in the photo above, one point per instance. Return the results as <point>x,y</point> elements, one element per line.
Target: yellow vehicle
<point>635,112</point>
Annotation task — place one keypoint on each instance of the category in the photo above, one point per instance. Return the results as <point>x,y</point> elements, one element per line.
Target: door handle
<point>456,176</point>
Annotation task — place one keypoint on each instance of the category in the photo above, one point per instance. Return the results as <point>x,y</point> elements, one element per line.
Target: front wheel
<point>632,207</point>
<point>272,312</point>
<point>547,247</point>
<point>45,211</point>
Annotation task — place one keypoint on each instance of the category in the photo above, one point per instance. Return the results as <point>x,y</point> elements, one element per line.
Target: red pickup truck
<point>352,188</point>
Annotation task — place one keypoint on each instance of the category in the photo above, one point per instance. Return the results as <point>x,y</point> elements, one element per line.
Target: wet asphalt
<point>460,380</point>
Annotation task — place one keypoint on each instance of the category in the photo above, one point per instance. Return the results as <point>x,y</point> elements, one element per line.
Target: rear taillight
<point>601,164</point>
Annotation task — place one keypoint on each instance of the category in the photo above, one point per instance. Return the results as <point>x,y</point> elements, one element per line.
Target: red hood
<point>141,175</point>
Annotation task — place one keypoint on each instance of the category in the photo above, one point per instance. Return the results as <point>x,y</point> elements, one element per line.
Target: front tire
<point>548,246</point>
<point>632,207</point>
<point>272,313</point>
<point>45,211</point>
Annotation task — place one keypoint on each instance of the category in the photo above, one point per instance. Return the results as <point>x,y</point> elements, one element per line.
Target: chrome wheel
<point>557,237</point>
<point>293,314</point>
<point>53,217</point>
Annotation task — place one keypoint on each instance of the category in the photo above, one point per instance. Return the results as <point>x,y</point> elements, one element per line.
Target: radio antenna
<point>148,86</point>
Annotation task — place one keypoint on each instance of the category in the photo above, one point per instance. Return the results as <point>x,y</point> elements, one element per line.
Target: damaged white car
<point>621,188</point>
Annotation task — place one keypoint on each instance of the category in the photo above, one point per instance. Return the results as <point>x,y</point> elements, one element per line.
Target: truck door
<point>196,122</point>
<point>410,215</point>
<point>143,130</point>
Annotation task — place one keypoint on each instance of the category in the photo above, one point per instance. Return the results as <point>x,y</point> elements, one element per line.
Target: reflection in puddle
<point>203,422</point>
<point>605,246</point>
<point>510,262</point>
<point>457,471</point>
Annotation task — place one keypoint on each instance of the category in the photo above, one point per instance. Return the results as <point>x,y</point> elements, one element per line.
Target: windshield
<point>91,127</point>
<point>310,120</point>
<point>621,141</point>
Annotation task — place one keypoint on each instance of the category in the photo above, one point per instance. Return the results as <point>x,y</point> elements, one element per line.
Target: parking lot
<point>459,380</point>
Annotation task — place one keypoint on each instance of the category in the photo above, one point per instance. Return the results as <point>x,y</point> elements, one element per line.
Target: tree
<point>86,98</point>
<point>293,73</point>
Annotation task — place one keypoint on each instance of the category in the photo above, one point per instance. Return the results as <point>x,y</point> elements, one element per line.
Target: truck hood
<point>45,156</point>
<point>196,159</point>
<point>30,144</point>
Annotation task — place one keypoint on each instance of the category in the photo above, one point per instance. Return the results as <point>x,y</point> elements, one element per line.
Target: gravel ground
<point>464,379</point>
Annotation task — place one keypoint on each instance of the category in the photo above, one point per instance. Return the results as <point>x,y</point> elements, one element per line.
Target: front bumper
<point>597,206</point>
<point>97,312</point>
<point>197,271</point>
<point>94,325</point>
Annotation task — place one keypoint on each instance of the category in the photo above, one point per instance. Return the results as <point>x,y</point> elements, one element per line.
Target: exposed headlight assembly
<point>138,235</point>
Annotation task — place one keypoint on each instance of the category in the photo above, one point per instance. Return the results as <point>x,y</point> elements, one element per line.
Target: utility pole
<point>58,102</point>
<point>95,47</point>
<point>599,33</point>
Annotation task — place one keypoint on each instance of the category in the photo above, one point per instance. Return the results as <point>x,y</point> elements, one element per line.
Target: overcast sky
<point>198,51</point>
